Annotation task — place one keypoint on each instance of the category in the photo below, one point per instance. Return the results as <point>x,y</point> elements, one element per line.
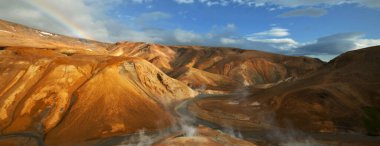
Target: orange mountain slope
<point>247,67</point>
<point>53,95</point>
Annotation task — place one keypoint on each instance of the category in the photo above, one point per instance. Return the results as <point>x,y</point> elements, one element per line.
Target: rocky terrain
<point>217,68</point>
<point>50,93</point>
<point>53,94</point>
<point>341,97</point>
<point>57,90</point>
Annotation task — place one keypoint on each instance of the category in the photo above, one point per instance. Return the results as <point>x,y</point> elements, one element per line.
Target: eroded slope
<point>343,96</point>
<point>247,67</point>
<point>52,95</point>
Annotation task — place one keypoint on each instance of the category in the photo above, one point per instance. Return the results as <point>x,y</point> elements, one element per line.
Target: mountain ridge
<point>53,85</point>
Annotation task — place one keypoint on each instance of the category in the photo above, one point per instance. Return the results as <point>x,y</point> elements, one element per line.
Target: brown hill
<point>53,95</point>
<point>159,55</point>
<point>342,96</point>
<point>205,81</point>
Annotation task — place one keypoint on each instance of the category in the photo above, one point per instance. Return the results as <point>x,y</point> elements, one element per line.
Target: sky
<point>315,28</point>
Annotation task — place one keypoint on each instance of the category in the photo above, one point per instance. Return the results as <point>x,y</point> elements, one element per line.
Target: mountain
<point>49,93</point>
<point>58,90</point>
<point>205,81</point>
<point>53,85</point>
<point>235,67</point>
<point>230,66</point>
<point>343,96</point>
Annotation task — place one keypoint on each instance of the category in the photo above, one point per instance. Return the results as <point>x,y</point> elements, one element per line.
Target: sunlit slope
<point>160,55</point>
<point>247,67</point>
<point>205,81</point>
<point>53,95</point>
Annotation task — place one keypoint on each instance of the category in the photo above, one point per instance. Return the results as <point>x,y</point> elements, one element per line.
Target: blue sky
<point>317,28</point>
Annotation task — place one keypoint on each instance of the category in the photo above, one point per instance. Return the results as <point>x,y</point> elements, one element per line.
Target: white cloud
<point>228,41</point>
<point>184,1</point>
<point>273,32</point>
<point>231,26</point>
<point>141,1</point>
<point>326,48</point>
<point>151,16</point>
<point>280,43</point>
<point>336,44</point>
<point>271,40</point>
<point>291,3</point>
<point>80,18</point>
<point>183,36</point>
<point>59,16</point>
<point>281,40</point>
<point>298,3</point>
<point>276,39</point>
<point>363,43</point>
<point>309,12</point>
<point>215,2</point>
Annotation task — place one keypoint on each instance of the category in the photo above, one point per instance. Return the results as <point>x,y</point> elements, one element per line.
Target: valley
<point>58,90</point>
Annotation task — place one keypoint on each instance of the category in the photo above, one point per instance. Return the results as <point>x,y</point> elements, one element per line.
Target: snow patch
<point>233,102</point>
<point>88,49</point>
<point>255,103</point>
<point>46,33</point>
<point>5,31</point>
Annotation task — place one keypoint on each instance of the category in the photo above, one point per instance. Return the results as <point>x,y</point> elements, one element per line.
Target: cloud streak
<point>336,44</point>
<point>287,3</point>
<point>274,32</point>
<point>308,12</point>
<point>184,1</point>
